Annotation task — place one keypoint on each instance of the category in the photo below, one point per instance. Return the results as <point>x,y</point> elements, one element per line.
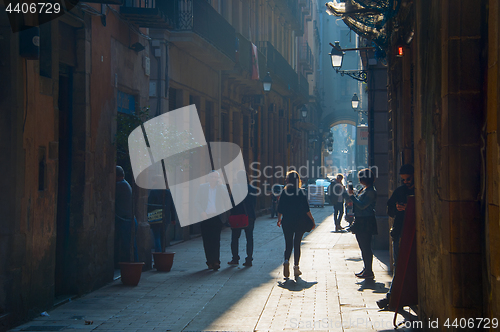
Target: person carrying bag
<point>297,219</point>
<point>242,217</point>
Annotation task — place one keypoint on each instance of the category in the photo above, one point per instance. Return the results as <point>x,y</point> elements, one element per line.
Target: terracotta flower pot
<point>163,261</point>
<point>131,273</point>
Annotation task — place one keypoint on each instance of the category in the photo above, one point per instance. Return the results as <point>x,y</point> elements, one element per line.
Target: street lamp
<point>337,55</point>
<point>267,82</point>
<point>303,111</point>
<point>355,102</point>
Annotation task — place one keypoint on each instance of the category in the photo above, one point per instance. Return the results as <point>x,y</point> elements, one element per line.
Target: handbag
<point>155,216</point>
<point>308,224</point>
<point>238,221</point>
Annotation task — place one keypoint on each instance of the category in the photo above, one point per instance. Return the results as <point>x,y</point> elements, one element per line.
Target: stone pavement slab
<point>327,297</point>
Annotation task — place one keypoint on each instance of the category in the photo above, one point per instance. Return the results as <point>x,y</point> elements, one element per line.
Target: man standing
<point>210,204</point>
<point>124,218</point>
<point>396,206</point>
<point>161,199</point>
<point>335,191</point>
<point>247,206</point>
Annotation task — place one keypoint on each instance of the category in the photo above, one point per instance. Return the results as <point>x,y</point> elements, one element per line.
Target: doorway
<point>64,177</point>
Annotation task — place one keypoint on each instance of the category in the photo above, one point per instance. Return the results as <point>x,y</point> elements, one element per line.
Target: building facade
<point>106,66</point>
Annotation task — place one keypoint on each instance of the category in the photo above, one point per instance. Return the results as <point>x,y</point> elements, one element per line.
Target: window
<point>46,50</point>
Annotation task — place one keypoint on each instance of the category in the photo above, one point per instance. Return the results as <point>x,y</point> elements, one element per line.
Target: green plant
<point>126,123</point>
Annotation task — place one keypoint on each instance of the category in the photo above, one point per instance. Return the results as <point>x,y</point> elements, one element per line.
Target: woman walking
<point>296,218</point>
<point>365,224</point>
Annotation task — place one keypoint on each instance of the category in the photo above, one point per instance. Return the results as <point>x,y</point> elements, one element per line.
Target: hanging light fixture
<point>267,82</point>
<point>303,111</point>
<point>355,102</point>
<point>336,55</point>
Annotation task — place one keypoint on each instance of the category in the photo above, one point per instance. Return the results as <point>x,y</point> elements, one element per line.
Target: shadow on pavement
<point>377,287</point>
<point>296,285</point>
<point>354,259</point>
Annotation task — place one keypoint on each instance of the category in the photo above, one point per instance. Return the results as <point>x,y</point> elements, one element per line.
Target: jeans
<point>274,207</point>
<point>136,251</point>
<point>395,250</point>
<point>210,234</point>
<point>292,240</point>
<point>235,236</point>
<point>123,240</point>
<point>365,244</point>
<point>157,236</point>
<point>338,213</point>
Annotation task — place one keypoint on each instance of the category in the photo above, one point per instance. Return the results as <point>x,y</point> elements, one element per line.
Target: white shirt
<point>211,208</point>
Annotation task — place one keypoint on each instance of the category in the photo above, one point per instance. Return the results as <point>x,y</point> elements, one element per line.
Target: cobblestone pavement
<point>327,297</point>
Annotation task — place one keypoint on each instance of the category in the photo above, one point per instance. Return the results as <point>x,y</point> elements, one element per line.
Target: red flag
<point>255,63</point>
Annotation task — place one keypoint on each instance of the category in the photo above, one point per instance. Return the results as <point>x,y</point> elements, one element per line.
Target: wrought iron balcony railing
<point>279,66</point>
<point>306,57</point>
<point>201,18</point>
<point>304,87</point>
<point>157,14</point>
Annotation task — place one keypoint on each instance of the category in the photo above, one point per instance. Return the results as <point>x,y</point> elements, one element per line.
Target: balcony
<point>306,58</point>
<point>279,67</point>
<point>304,88</point>
<point>307,9</point>
<point>200,30</point>
<point>291,11</point>
<point>155,14</point>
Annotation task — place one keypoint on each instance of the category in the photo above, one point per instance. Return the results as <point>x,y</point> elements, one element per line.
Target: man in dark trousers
<point>335,191</point>
<point>247,206</point>
<point>124,218</point>
<point>210,205</point>
<point>161,199</point>
<point>396,207</point>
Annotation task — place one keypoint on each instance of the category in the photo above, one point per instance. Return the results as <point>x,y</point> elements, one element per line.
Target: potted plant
<point>163,261</point>
<point>131,272</point>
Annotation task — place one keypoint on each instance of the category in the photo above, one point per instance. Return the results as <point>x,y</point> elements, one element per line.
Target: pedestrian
<point>294,215</point>
<point>335,192</point>
<point>396,208</point>
<point>247,207</point>
<point>210,205</point>
<point>365,224</point>
<point>275,195</point>
<point>124,218</point>
<point>160,200</point>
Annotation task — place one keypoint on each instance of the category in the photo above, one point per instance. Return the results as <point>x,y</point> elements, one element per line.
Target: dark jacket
<point>364,211</point>
<point>247,206</point>
<point>364,202</point>
<point>336,190</point>
<point>162,199</point>
<point>124,207</point>
<point>293,206</point>
<point>400,195</point>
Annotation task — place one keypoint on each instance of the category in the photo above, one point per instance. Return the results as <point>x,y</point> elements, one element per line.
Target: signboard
<point>362,135</point>
<point>126,103</point>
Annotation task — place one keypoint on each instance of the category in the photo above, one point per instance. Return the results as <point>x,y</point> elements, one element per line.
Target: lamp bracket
<point>360,75</point>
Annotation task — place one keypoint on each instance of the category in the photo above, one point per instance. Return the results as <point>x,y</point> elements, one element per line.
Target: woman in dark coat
<point>365,224</point>
<point>293,208</point>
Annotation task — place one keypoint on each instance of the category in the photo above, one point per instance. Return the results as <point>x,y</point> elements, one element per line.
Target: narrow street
<point>191,298</point>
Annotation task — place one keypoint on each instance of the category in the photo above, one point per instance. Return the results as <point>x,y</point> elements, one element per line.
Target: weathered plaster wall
<point>492,227</point>
<point>448,133</point>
